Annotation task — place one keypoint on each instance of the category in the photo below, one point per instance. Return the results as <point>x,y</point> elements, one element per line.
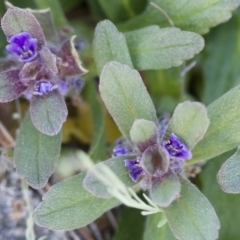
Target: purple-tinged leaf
<point>71,64</point>
<point>144,134</point>
<point>30,70</point>
<point>10,86</point>
<point>49,60</point>
<point>155,161</point>
<point>17,20</point>
<point>35,154</point>
<point>165,190</point>
<point>48,112</point>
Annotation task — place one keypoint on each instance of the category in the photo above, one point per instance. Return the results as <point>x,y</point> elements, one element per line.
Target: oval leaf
<point>10,86</point>
<point>97,188</point>
<point>109,45</point>
<point>35,154</point>
<point>189,122</point>
<point>144,134</point>
<point>155,48</point>
<point>67,205</point>
<point>222,134</point>
<point>185,15</point>
<point>229,174</point>
<point>17,20</point>
<point>48,112</point>
<point>125,96</point>
<point>165,191</point>
<point>192,216</point>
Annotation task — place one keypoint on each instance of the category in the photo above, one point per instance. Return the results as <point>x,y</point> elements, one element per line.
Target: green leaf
<point>144,133</point>
<point>226,205</point>
<point>67,205</point>
<point>120,10</point>
<point>56,9</point>
<point>45,19</point>
<point>36,154</point>
<point>222,134</point>
<point>189,122</point>
<point>116,164</point>
<point>125,96</point>
<point>192,216</point>
<point>155,48</point>
<point>165,191</point>
<point>17,20</point>
<point>196,17</point>
<point>48,112</point>
<point>225,70</point>
<point>153,232</point>
<point>131,225</point>
<point>109,45</point>
<point>228,175</point>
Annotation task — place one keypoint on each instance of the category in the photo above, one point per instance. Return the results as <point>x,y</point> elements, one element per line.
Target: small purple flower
<point>121,148</point>
<point>134,168</point>
<point>23,46</point>
<point>176,148</point>
<point>63,87</point>
<point>43,87</point>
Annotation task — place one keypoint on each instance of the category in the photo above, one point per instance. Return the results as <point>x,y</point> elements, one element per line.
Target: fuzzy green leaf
<point>222,134</point>
<point>229,174</point>
<point>189,122</point>
<point>36,154</point>
<point>125,96</point>
<point>109,45</point>
<point>192,216</point>
<point>48,112</point>
<point>155,48</point>
<point>144,133</point>
<point>97,188</point>
<point>67,205</point>
<point>164,192</point>
<point>191,15</point>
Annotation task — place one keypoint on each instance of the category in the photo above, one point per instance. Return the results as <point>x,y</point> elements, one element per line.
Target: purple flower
<point>43,87</point>
<point>134,168</point>
<point>176,148</point>
<point>63,87</point>
<point>23,46</point>
<point>121,148</point>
